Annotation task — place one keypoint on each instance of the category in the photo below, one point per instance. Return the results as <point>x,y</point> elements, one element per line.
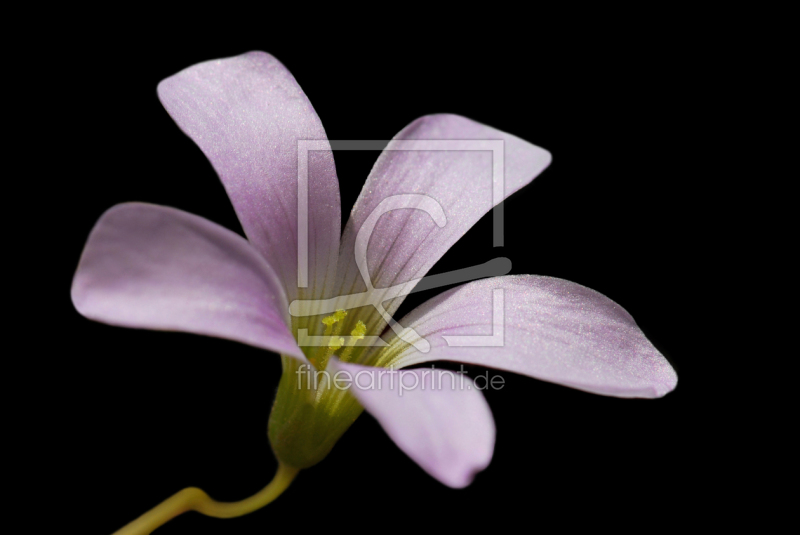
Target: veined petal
<point>548,328</point>
<point>438,418</point>
<point>406,243</point>
<point>155,267</point>
<point>248,115</point>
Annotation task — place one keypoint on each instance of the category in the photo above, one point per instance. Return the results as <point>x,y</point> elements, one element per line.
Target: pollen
<point>336,342</point>
<point>360,330</point>
<point>336,317</point>
<point>355,335</point>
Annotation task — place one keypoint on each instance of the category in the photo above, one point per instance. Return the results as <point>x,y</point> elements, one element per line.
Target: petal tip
<point>458,476</point>
<point>547,157</point>
<point>462,476</point>
<point>255,56</point>
<point>460,481</point>
<point>668,385</point>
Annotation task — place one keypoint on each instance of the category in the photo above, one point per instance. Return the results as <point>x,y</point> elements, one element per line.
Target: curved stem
<point>194,499</point>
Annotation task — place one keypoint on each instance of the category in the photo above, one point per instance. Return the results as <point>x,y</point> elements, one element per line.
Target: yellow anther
<point>332,330</point>
<point>360,330</point>
<point>355,335</point>
<point>336,317</point>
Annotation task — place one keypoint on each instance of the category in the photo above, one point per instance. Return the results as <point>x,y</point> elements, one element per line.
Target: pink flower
<point>155,267</point>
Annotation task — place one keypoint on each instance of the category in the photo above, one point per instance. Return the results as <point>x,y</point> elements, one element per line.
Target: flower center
<point>320,355</point>
<point>310,412</point>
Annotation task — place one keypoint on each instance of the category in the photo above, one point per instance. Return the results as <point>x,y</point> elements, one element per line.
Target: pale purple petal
<point>155,267</point>
<point>552,329</point>
<point>247,114</point>
<point>406,243</point>
<point>438,418</point>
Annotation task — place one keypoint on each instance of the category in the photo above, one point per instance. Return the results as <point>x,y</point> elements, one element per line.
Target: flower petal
<point>155,267</point>
<point>406,243</point>
<point>438,418</point>
<point>247,114</point>
<point>552,329</point>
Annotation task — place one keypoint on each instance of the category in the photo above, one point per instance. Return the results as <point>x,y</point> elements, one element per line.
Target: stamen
<point>360,330</point>
<point>355,335</point>
<point>331,329</point>
<point>336,317</point>
<point>336,343</point>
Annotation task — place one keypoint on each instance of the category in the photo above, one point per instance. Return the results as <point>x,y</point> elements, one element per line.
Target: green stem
<point>194,499</point>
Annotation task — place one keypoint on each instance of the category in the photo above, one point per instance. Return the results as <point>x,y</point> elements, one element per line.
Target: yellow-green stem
<point>194,499</point>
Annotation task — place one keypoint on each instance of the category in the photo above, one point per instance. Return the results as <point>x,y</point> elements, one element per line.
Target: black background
<point>136,415</point>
